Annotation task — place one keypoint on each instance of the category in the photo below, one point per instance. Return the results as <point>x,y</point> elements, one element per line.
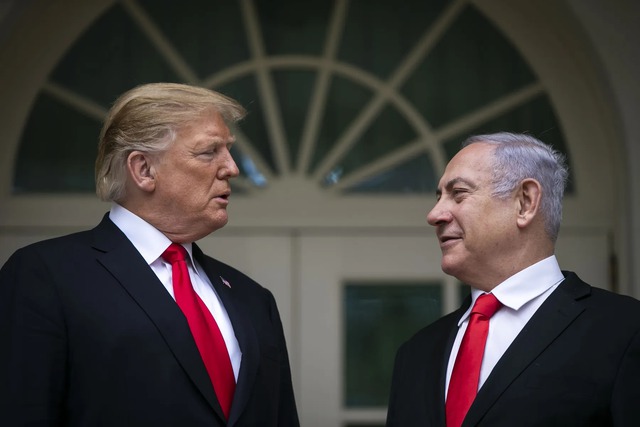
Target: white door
<point>322,281</point>
<point>361,295</point>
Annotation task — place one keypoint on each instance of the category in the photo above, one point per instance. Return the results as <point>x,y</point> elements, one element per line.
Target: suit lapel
<point>128,267</point>
<point>551,319</point>
<point>243,330</point>
<point>437,385</point>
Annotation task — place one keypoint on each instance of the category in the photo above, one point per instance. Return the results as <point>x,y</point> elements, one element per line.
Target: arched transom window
<point>360,96</point>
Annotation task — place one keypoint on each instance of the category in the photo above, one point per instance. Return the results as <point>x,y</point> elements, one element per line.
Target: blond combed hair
<point>147,118</point>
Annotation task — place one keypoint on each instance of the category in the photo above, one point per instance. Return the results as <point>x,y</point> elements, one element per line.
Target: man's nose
<point>229,169</point>
<point>438,215</point>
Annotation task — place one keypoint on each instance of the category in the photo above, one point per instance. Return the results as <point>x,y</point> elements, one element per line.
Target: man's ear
<point>141,170</point>
<point>528,196</point>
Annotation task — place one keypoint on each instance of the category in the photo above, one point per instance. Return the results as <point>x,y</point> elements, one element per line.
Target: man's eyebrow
<point>452,182</point>
<point>215,141</point>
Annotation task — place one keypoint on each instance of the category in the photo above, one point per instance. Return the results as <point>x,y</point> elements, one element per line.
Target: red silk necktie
<point>463,385</point>
<point>203,327</point>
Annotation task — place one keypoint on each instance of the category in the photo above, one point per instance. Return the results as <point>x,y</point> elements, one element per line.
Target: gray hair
<point>518,157</point>
<point>147,118</point>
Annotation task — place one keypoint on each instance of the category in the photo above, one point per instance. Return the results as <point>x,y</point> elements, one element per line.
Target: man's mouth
<point>447,239</point>
<point>224,196</point>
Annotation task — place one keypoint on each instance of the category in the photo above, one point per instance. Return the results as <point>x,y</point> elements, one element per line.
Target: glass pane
<point>209,35</point>
<point>472,65</point>
<point>413,176</point>
<point>344,101</point>
<point>378,319</point>
<point>379,34</point>
<point>293,26</point>
<point>111,57</point>
<point>58,150</point>
<point>388,132</point>
<point>294,92</point>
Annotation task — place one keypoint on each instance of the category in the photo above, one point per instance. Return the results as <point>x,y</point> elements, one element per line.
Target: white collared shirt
<point>521,295</point>
<point>151,243</point>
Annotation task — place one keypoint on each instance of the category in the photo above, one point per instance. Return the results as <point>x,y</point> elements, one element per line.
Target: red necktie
<point>465,377</point>
<point>203,327</point>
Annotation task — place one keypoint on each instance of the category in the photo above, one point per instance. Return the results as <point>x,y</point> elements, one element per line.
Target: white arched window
<point>346,96</point>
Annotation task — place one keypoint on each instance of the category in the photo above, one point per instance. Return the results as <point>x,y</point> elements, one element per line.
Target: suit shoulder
<point>604,302</point>
<point>619,306</point>
<point>57,246</point>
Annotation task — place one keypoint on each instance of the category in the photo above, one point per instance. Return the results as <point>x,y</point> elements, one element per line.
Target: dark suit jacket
<point>90,337</point>
<point>575,363</point>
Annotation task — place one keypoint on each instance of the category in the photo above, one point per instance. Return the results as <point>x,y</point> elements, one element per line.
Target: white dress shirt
<point>151,243</point>
<point>521,295</point>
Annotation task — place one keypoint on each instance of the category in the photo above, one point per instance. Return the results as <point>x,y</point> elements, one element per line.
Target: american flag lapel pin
<point>225,282</point>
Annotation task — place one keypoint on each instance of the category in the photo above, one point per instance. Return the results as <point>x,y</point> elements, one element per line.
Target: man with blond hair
<point>130,324</point>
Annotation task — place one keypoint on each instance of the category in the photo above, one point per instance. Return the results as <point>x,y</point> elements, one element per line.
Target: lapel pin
<point>225,282</point>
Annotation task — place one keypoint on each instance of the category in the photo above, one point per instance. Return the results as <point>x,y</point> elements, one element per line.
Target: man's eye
<point>457,193</point>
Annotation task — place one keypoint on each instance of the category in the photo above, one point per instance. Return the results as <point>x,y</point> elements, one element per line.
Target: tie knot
<point>174,253</point>
<point>486,305</point>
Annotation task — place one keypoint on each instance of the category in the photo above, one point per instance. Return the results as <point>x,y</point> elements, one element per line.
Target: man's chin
<point>450,267</point>
<point>218,221</point>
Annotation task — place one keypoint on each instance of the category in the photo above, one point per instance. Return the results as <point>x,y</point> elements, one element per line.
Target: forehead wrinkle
<point>213,138</point>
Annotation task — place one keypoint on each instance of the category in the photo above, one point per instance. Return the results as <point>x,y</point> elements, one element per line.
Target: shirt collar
<point>523,286</point>
<point>147,239</point>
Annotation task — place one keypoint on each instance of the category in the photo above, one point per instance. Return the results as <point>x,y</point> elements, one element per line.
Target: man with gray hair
<point>131,324</point>
<point>532,345</point>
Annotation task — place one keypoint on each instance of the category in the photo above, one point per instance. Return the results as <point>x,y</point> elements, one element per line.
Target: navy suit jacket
<point>575,363</point>
<point>90,337</point>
